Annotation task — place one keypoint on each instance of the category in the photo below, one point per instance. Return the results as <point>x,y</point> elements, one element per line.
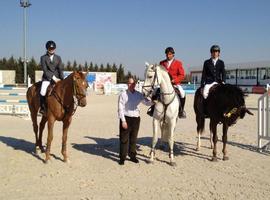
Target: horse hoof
<point>150,162</point>
<point>67,161</point>
<point>214,159</point>
<point>225,158</point>
<point>173,164</point>
<point>197,149</point>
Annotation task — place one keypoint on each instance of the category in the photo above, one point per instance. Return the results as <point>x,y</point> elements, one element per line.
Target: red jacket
<point>176,70</point>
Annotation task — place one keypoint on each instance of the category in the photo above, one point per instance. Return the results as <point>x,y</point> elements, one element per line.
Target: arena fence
<point>264,120</point>
<point>12,102</point>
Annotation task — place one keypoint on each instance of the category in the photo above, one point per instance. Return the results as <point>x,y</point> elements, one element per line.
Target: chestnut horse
<point>61,105</point>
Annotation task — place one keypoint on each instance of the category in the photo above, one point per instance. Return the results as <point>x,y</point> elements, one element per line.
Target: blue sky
<point>134,31</point>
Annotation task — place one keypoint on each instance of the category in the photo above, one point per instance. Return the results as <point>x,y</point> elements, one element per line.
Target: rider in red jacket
<point>177,74</point>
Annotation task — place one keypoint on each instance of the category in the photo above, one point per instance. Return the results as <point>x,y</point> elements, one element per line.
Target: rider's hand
<point>172,81</point>
<point>124,125</point>
<point>55,79</point>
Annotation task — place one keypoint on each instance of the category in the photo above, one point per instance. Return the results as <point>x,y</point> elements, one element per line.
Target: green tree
<point>91,67</point>
<point>101,68</point>
<point>85,68</point>
<point>74,66</point>
<point>68,66</point>
<point>114,68</point>
<point>96,68</point>
<point>121,74</point>
<point>80,67</point>
<point>31,67</point>
<point>108,68</point>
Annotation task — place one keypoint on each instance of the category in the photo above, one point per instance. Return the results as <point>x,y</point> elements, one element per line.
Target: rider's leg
<point>43,91</point>
<point>207,88</point>
<point>182,113</point>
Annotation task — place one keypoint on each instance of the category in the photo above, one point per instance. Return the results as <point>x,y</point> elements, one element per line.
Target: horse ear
<point>248,112</point>
<point>146,64</point>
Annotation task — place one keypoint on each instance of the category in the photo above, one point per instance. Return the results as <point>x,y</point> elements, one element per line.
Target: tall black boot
<point>42,104</point>
<point>150,111</point>
<point>182,113</point>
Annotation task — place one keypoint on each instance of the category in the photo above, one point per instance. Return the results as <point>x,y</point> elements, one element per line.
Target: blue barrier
<point>12,94</point>
<point>12,101</point>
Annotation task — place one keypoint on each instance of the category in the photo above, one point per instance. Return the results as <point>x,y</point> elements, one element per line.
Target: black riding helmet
<point>215,48</point>
<point>50,45</point>
<point>169,50</point>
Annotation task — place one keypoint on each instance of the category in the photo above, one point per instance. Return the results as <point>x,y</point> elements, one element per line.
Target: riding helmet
<point>215,48</point>
<point>50,45</point>
<point>169,50</point>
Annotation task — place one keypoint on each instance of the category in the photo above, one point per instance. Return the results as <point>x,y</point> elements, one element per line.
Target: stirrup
<point>150,111</point>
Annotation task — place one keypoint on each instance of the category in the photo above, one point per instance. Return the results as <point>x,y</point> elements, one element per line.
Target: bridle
<point>152,86</point>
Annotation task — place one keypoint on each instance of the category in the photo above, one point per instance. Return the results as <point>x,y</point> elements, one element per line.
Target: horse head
<point>234,114</point>
<point>80,86</point>
<point>150,80</point>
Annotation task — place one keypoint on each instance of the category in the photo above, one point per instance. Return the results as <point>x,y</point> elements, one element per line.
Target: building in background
<point>246,75</point>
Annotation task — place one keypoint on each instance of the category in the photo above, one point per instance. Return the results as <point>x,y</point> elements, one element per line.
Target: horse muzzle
<point>82,102</point>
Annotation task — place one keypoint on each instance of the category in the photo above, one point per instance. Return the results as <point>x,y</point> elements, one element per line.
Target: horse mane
<point>229,96</point>
<point>162,68</point>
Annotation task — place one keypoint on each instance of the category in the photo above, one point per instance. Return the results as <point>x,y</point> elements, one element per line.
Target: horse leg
<point>224,140</point>
<point>156,125</point>
<point>49,138</point>
<point>41,128</point>
<point>35,128</point>
<point>163,140</point>
<point>211,138</point>
<point>171,128</point>
<point>213,129</point>
<point>66,124</point>
<point>198,142</point>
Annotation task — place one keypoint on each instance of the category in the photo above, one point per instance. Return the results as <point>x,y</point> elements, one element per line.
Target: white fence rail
<point>264,119</point>
<point>10,109</point>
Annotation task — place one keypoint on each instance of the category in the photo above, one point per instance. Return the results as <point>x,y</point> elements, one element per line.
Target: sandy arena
<point>94,173</point>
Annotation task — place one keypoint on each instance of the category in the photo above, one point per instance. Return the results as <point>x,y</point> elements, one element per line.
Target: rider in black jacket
<point>213,71</point>
<point>51,65</point>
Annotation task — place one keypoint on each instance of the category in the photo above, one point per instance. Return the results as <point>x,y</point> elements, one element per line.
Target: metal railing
<point>263,120</point>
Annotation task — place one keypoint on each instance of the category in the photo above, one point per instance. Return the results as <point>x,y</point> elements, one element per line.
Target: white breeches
<point>207,88</point>
<point>44,87</point>
<point>182,91</point>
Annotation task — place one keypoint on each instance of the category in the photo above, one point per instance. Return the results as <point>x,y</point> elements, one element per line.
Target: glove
<point>55,79</point>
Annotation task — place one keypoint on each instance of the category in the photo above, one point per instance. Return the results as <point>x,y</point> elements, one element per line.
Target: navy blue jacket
<point>213,73</point>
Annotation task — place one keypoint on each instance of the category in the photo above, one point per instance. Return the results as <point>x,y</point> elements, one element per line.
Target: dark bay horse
<point>60,106</point>
<point>225,104</point>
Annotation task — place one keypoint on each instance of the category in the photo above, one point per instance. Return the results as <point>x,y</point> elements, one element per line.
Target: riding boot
<point>150,111</point>
<point>182,113</point>
<point>42,109</point>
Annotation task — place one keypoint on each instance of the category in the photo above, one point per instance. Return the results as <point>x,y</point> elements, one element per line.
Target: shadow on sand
<point>21,145</point>
<point>109,148</point>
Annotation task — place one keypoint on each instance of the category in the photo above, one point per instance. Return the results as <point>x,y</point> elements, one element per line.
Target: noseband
<point>79,96</point>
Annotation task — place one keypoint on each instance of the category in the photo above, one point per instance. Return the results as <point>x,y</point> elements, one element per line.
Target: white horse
<point>166,108</point>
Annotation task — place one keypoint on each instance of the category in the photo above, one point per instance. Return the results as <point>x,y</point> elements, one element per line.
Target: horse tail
<point>198,108</point>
